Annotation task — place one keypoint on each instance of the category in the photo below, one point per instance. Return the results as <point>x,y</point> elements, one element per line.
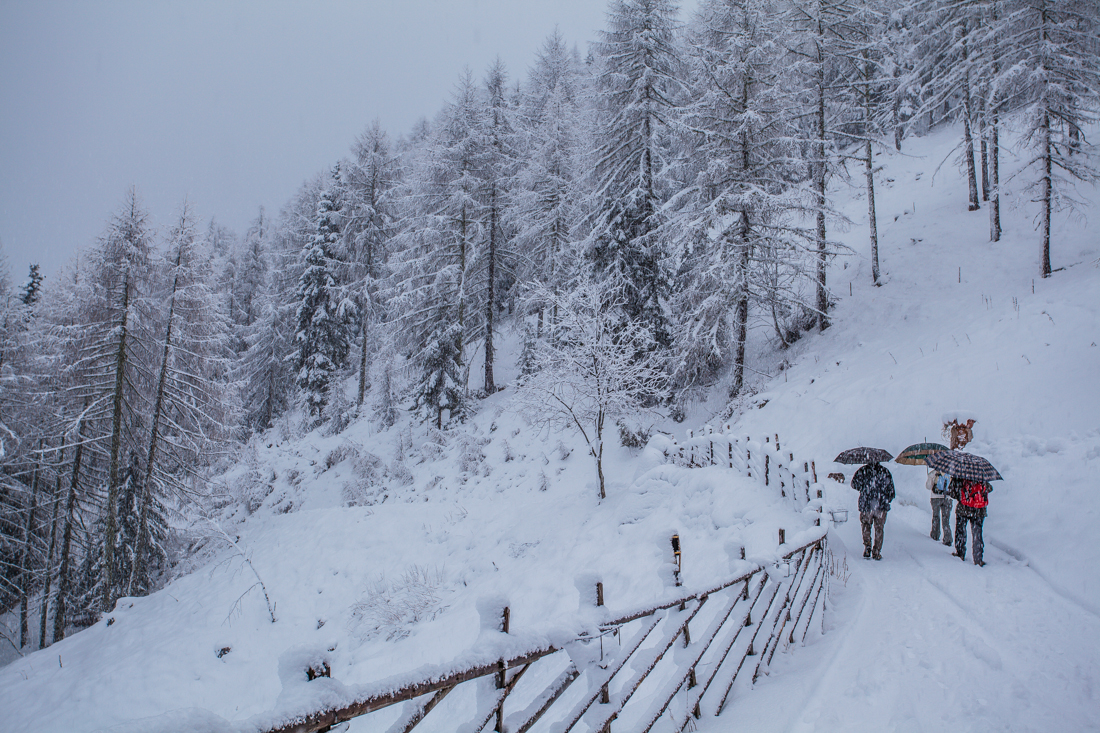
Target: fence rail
<point>744,621</point>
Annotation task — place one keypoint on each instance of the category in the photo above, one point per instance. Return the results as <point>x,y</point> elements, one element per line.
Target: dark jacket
<point>875,486</point>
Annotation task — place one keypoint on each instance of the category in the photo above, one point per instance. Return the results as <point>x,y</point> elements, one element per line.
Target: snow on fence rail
<point>764,461</point>
<point>629,674</point>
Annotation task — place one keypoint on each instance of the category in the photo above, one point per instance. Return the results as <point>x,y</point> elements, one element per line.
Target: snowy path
<point>923,642</point>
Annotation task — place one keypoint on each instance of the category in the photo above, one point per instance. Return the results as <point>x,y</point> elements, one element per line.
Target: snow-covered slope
<point>919,641</point>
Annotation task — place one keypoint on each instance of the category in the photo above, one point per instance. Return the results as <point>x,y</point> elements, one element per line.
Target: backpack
<point>973,495</point>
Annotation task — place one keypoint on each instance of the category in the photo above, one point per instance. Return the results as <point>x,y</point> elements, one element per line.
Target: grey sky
<point>229,104</point>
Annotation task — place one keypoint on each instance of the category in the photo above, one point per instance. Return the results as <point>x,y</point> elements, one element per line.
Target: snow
<point>918,641</point>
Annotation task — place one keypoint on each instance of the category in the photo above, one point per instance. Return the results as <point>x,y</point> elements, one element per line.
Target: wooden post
<point>605,695</point>
<point>777,441</point>
<point>731,454</point>
<point>502,677</point>
<point>813,467</point>
<point>677,558</point>
<point>767,469</point>
<point>782,536</point>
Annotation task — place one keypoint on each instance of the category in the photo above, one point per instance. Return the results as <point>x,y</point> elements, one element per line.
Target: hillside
<point>500,509</point>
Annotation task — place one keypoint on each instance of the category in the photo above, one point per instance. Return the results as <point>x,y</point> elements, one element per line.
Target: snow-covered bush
<point>391,607</point>
<point>368,477</point>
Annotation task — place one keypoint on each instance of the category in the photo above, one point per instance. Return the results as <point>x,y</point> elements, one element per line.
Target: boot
<point>866,551</point>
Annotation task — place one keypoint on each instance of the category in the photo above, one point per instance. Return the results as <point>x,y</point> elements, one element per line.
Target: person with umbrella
<point>937,484</point>
<point>876,490</point>
<point>970,477</point>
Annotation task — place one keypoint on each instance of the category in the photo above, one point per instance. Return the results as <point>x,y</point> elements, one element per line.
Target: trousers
<point>975,534</point>
<point>878,519</point>
<point>941,512</point>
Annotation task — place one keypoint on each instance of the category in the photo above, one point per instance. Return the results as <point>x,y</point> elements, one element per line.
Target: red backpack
<point>974,495</point>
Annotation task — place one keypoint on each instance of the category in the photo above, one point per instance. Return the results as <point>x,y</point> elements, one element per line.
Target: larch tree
<point>545,205</point>
<point>369,222</point>
<point>1056,41</point>
<point>735,194</point>
<point>638,91</point>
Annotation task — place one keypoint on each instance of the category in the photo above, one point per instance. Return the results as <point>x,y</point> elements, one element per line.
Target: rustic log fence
<point>763,460</point>
<point>634,681</point>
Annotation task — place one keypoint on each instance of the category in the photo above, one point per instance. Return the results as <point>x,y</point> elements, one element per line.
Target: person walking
<point>941,506</point>
<point>876,490</point>
<point>973,499</point>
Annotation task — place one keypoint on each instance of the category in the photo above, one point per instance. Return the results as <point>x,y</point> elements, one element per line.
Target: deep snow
<point>919,641</point>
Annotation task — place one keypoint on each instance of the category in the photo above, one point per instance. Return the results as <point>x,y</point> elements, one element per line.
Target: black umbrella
<point>915,454</point>
<point>857,456</point>
<point>959,464</point>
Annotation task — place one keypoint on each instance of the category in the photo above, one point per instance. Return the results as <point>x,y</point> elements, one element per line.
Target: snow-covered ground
<point>918,641</point>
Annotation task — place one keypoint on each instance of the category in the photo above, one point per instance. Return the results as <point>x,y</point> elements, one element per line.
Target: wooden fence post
<point>767,460</point>
<point>502,678</point>
<point>782,536</point>
<point>677,558</point>
<point>605,695</point>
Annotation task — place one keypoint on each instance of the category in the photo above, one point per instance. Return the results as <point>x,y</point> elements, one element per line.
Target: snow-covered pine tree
<point>252,264</point>
<point>442,226</point>
<point>545,210</point>
<point>866,91</point>
<point>1057,43</point>
<point>194,406</point>
<point>732,218</point>
<point>816,29</point>
<point>369,221</point>
<point>110,374</point>
<point>324,313</point>
<point>952,52</point>
<point>637,92</point>
<point>32,291</point>
<point>495,172</point>
<point>441,385</point>
<point>266,368</point>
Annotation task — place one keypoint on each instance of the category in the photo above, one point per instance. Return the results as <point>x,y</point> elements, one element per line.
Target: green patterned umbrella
<point>915,454</point>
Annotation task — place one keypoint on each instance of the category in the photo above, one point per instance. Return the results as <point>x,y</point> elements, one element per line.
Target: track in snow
<point>923,642</point>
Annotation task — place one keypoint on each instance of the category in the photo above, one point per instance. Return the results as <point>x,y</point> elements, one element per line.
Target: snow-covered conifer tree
<point>324,313</point>
<point>638,90</point>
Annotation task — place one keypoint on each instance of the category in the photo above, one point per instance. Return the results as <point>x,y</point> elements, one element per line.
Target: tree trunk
<point>995,149</point>
<point>819,186</point>
<point>490,384</point>
<point>46,582</point>
<point>116,447</point>
<point>968,138</point>
<point>25,555</point>
<point>995,183</point>
<point>64,583</point>
<point>1047,190</point>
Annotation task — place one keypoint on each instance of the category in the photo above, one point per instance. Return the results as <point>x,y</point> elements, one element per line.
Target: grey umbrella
<point>858,456</point>
<point>959,464</point>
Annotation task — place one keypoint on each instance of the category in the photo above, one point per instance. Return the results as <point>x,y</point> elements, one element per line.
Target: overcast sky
<point>231,104</point>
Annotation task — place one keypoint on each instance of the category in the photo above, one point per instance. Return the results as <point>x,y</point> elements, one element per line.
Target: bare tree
<point>590,369</point>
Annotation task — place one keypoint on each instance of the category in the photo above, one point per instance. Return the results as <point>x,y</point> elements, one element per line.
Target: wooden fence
<point>739,624</point>
<point>637,680</point>
<point>764,460</point>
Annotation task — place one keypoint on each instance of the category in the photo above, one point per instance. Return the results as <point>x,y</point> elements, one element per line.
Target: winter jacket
<point>875,486</point>
<point>937,484</point>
